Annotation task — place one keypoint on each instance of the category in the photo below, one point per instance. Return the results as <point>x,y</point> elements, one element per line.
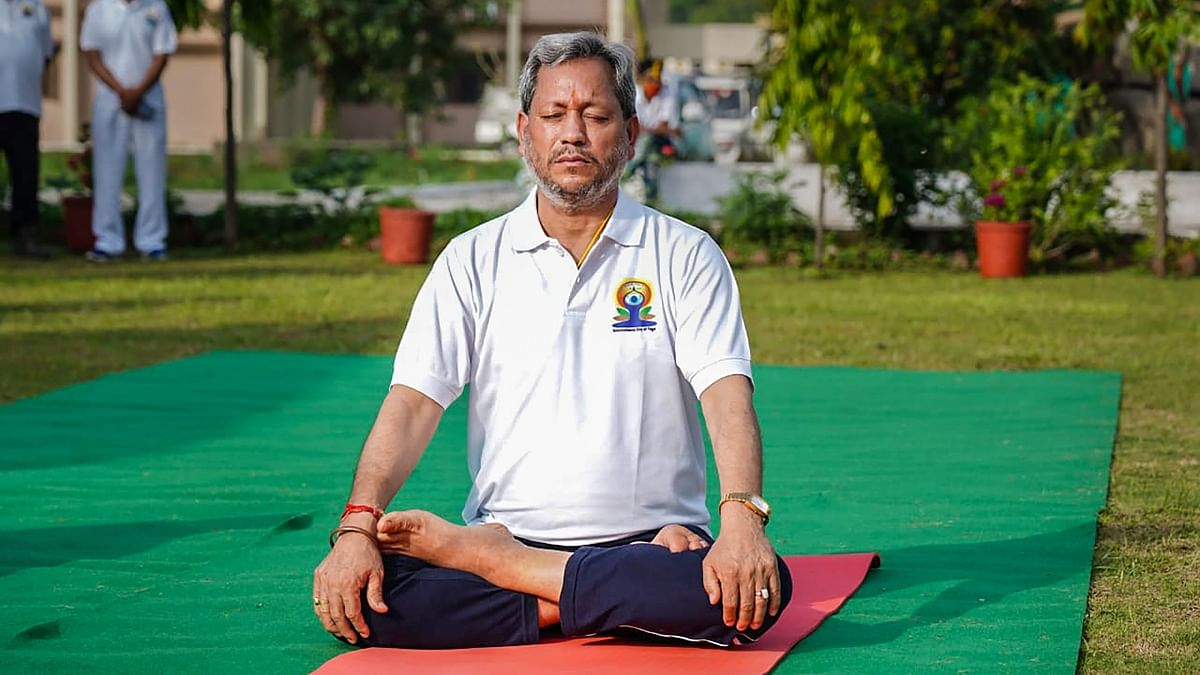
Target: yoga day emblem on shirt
<point>633,306</point>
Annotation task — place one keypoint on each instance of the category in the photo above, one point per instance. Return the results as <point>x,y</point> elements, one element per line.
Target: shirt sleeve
<point>436,350</point>
<point>165,39</point>
<point>44,35</point>
<point>710,337</point>
<point>89,31</point>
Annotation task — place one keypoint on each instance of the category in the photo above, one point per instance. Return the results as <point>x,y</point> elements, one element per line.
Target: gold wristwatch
<point>754,502</point>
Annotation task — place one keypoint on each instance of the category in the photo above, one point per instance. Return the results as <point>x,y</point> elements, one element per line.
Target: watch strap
<point>746,499</point>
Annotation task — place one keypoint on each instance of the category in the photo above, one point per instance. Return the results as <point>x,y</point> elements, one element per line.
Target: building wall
<point>193,83</point>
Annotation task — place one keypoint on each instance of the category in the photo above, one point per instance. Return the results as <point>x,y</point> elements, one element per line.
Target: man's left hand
<point>740,564</point>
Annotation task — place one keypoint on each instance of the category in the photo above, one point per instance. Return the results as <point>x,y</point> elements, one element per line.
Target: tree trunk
<point>819,225</point>
<point>323,112</point>
<point>1159,264</point>
<point>230,136</point>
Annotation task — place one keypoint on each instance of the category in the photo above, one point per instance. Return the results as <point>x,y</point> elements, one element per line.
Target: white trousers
<point>112,134</point>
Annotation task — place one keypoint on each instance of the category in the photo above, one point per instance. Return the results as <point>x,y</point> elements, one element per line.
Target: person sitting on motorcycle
<point>656,112</point>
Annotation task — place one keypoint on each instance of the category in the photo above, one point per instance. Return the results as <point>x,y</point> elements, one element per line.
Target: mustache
<point>572,152</point>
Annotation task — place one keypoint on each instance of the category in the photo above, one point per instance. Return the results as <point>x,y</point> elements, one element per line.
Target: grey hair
<point>551,50</point>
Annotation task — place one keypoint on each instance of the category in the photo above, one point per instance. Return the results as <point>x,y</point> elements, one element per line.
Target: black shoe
<point>97,256</point>
<point>23,247</point>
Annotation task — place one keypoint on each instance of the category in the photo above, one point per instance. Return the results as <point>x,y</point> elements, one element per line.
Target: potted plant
<point>404,231</point>
<point>1002,233</point>
<point>75,194</point>
<point>1040,157</point>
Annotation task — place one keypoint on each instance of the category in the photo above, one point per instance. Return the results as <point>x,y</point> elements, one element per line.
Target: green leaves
<point>188,13</point>
<point>760,214</point>
<point>400,51</point>
<point>1160,28</point>
<point>871,85</point>
<point>1044,152</point>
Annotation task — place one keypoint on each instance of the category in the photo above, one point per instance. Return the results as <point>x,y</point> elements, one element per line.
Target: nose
<point>574,132</point>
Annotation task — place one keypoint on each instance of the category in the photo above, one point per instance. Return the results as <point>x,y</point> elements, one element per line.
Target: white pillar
<point>68,77</point>
<point>616,20</point>
<point>512,56</point>
<point>261,85</point>
<point>237,58</point>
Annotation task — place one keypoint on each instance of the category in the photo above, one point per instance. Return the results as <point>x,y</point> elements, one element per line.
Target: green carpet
<point>168,519</point>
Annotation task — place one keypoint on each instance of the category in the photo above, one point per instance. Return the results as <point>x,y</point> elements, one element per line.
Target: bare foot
<point>423,535</point>
<point>488,551</point>
<point>677,538</point>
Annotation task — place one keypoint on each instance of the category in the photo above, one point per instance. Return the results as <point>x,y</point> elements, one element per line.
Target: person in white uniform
<point>127,43</point>
<point>25,49</point>
<point>588,326</point>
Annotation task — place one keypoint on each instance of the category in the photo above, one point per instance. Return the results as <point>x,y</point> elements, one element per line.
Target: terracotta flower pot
<point>1003,248</point>
<point>77,223</point>
<point>404,235</point>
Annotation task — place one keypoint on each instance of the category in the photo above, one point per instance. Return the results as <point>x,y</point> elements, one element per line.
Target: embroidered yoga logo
<point>633,306</point>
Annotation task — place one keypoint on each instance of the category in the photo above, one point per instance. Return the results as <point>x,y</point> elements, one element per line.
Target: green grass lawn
<point>66,322</point>
<point>257,172</point>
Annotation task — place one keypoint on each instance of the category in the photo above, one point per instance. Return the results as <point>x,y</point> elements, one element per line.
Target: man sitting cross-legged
<point>588,326</point>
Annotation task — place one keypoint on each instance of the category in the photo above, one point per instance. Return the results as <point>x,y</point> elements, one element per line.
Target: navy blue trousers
<point>19,144</point>
<point>636,590</point>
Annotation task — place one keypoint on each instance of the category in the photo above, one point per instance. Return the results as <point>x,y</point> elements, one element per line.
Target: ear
<point>522,123</point>
<point>632,129</point>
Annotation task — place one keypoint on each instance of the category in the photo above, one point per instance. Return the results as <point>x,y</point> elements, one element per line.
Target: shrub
<point>335,175</point>
<point>1043,153</point>
<point>759,214</point>
<point>397,202</point>
<point>453,223</point>
<point>1181,254</point>
<point>285,227</point>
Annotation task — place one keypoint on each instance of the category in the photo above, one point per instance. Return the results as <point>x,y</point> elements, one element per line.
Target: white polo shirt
<point>582,417</point>
<point>128,36</point>
<point>25,46</point>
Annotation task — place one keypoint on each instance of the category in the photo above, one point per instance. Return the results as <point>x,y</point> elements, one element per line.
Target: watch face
<point>760,503</point>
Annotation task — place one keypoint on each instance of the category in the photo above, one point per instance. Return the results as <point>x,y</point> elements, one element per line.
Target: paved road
<point>697,187</point>
<point>483,195</point>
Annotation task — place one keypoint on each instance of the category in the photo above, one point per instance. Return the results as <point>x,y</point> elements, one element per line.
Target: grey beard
<point>591,194</point>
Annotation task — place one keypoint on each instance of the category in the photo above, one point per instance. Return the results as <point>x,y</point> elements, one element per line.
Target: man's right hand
<point>338,581</point>
<point>130,100</point>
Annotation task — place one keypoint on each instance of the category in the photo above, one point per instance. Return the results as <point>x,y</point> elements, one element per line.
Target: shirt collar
<point>626,226</point>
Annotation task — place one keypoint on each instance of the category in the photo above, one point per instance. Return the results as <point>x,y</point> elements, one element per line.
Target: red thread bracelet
<point>362,508</point>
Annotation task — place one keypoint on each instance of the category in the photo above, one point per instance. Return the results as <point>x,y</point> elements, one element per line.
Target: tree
<point>1159,33</point>
<point>230,136</point>
<point>398,51</point>
<point>873,86</point>
<point>193,14</point>
<point>188,13</point>
<point>717,11</point>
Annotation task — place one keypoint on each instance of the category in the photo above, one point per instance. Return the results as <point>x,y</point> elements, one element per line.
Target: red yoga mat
<point>821,584</point>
